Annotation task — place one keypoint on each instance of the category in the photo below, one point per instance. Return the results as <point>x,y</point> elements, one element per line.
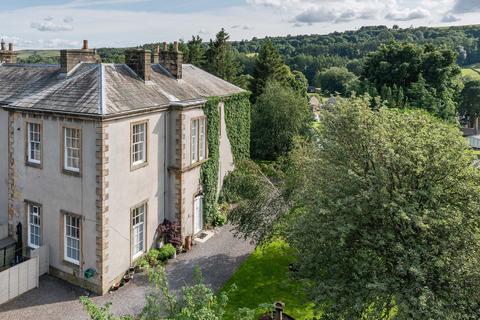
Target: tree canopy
<point>429,77</point>
<point>221,58</point>
<point>279,114</point>
<point>382,208</point>
<point>336,80</point>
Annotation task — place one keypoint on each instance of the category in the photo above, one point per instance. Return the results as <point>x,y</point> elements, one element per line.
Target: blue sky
<point>43,24</point>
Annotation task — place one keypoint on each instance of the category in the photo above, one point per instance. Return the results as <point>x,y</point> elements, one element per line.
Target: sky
<point>56,24</point>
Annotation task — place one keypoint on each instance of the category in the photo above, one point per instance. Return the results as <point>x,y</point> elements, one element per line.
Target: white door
<point>198,215</point>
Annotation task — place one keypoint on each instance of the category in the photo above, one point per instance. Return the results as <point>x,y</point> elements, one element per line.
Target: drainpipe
<point>165,164</point>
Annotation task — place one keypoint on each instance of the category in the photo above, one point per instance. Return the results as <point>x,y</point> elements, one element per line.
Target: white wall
<point>128,188</point>
<point>57,191</point>
<point>3,167</point>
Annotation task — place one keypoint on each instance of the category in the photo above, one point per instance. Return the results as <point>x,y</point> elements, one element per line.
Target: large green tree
<point>382,208</point>
<point>221,58</point>
<point>336,80</point>
<point>279,114</point>
<point>270,66</point>
<point>423,73</point>
<point>470,101</point>
<point>391,222</point>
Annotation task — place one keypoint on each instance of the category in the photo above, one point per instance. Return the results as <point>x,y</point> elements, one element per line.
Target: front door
<point>198,214</point>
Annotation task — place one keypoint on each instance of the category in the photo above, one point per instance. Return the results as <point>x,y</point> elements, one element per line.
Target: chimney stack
<point>70,58</point>
<point>172,60</point>
<point>7,56</point>
<point>155,55</point>
<point>139,60</point>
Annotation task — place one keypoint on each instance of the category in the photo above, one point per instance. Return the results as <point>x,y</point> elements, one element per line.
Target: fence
<point>19,279</point>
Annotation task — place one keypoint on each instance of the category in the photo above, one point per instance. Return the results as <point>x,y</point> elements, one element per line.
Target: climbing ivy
<point>237,119</point>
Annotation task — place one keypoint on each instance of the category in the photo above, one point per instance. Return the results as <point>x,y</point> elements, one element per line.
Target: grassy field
<point>471,73</point>
<point>263,279</point>
<point>23,54</point>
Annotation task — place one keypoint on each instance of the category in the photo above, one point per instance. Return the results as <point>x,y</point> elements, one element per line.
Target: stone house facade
<point>94,156</point>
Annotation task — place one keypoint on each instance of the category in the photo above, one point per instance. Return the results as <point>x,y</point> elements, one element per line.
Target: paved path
<point>218,258</point>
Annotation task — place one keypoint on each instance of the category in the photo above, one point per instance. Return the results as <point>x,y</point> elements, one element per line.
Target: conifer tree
<point>221,58</point>
<point>196,52</point>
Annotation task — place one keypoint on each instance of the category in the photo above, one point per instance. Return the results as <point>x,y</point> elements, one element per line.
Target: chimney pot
<point>175,46</point>
<point>2,45</point>
<point>85,45</point>
<point>10,47</point>
<point>165,46</point>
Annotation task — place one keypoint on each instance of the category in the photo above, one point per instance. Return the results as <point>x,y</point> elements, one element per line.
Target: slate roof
<point>104,89</point>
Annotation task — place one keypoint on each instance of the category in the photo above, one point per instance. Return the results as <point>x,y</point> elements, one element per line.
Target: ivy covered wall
<point>237,118</point>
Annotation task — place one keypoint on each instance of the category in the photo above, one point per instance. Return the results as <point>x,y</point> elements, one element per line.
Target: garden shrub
<point>166,252</point>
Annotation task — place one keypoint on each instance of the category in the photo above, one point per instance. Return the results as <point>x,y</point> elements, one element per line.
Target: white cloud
<point>51,26</point>
<point>407,14</point>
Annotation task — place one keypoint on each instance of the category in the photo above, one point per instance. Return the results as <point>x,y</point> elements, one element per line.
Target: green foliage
<point>221,58</point>
<point>279,114</point>
<point>257,202</point>
<point>237,119</point>
<point>197,302</point>
<point>470,99</point>
<point>100,313</point>
<point>166,252</point>
<point>428,77</point>
<point>209,173</point>
<point>195,53</point>
<point>390,221</point>
<point>312,54</point>
<point>336,80</point>
<point>269,67</point>
<point>238,122</point>
<point>263,279</point>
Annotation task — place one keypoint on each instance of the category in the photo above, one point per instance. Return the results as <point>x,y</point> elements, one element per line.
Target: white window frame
<point>69,234</point>
<point>198,139</point>
<point>69,148</point>
<point>32,143</point>
<point>34,212</point>
<point>138,227</point>
<point>138,140</point>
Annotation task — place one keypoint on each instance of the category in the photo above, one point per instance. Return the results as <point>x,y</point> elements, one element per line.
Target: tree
<point>470,101</point>
<point>221,58</point>
<point>269,66</point>
<point>394,217</point>
<point>279,115</point>
<point>195,52</point>
<point>336,80</point>
<point>408,66</point>
<point>383,211</point>
<point>196,302</point>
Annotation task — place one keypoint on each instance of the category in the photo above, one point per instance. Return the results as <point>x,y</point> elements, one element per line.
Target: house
<point>94,156</point>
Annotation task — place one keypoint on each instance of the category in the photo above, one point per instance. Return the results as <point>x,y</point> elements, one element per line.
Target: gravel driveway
<point>218,259</point>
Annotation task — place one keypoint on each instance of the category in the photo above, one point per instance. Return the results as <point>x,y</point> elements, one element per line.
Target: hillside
<point>312,54</point>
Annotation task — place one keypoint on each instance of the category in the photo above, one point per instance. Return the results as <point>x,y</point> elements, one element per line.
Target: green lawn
<point>471,73</point>
<point>264,278</point>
